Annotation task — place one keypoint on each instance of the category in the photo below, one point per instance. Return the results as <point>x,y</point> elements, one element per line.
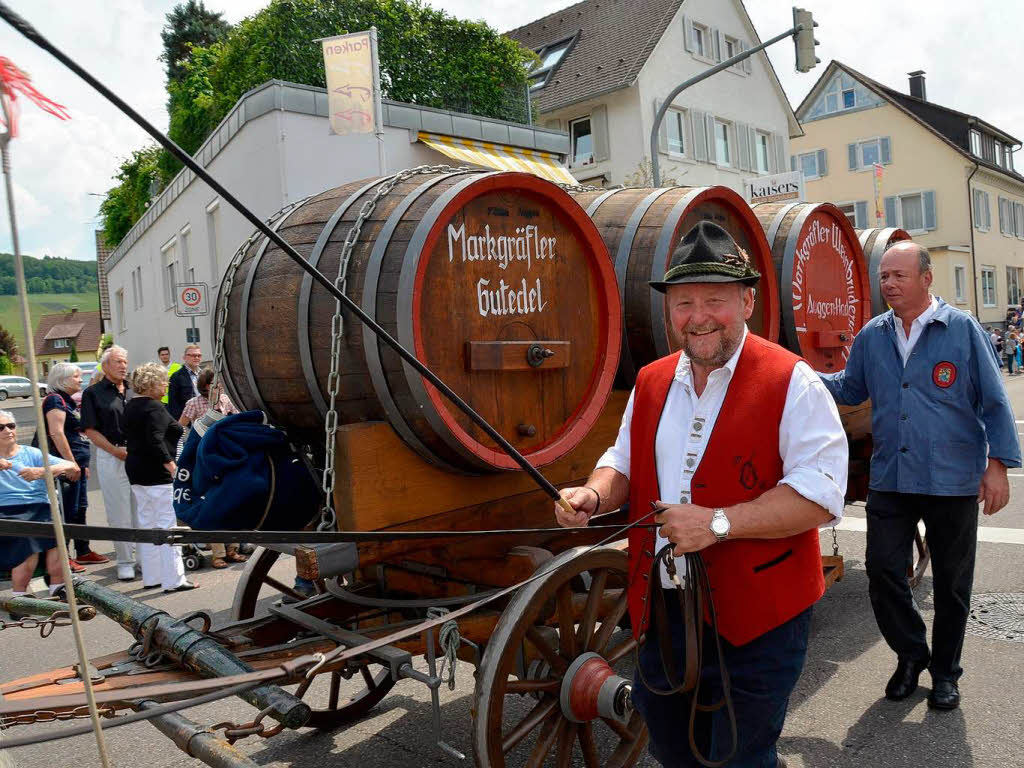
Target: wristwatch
<point>720,525</point>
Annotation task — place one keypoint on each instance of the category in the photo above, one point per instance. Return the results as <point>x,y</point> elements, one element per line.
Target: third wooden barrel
<point>641,228</point>
<point>824,290</point>
<point>498,282</point>
<point>875,242</point>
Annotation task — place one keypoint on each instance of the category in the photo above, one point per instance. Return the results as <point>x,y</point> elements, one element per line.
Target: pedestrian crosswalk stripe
<point>985,533</point>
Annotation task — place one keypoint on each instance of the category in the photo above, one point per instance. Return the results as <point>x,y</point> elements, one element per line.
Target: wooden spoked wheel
<point>335,700</point>
<point>921,558</point>
<point>549,624</point>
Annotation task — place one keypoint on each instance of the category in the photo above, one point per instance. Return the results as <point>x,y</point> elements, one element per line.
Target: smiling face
<point>708,319</point>
<point>904,286</point>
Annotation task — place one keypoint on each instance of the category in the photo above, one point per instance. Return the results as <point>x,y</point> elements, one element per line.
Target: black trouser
<point>75,500</point>
<point>951,524</point>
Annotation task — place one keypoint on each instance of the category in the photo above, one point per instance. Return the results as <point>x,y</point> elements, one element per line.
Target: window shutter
<point>752,143</point>
<point>792,162</point>
<point>709,121</point>
<point>689,144</point>
<point>822,163</point>
<point>599,128</point>
<point>553,125</point>
<point>688,34</point>
<point>930,214</point>
<point>700,138</point>
<point>743,140</point>
<point>860,214</point>
<point>988,211</point>
<point>716,36</point>
<point>851,151</point>
<point>890,212</point>
<point>748,63</point>
<point>778,141</point>
<point>886,150</point>
<point>662,129</point>
<point>1002,216</point>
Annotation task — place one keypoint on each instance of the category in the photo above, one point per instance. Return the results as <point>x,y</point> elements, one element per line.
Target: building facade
<point>273,149</point>
<point>945,176</point>
<point>59,335</point>
<point>606,67</point>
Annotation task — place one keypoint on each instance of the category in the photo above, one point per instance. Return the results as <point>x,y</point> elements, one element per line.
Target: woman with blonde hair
<point>152,436</point>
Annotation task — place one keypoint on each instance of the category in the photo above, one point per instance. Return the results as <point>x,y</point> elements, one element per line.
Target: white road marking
<point>985,533</point>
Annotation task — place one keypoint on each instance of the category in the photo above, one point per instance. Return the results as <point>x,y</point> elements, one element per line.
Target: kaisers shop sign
<point>776,188</point>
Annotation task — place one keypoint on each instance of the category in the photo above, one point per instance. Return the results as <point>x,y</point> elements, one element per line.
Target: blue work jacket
<point>935,421</point>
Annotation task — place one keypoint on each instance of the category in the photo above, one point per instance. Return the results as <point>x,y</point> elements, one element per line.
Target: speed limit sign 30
<point>191,299</point>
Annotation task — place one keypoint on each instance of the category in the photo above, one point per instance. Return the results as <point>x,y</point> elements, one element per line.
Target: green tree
<point>5,365</point>
<point>8,344</point>
<point>125,203</point>
<point>188,24</point>
<point>73,357</point>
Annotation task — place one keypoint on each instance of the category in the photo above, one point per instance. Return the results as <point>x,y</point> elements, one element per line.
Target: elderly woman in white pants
<point>152,437</point>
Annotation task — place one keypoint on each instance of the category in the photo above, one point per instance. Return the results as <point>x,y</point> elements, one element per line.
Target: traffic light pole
<point>655,165</point>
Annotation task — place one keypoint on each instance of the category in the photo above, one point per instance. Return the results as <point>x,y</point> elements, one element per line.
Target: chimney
<point>73,310</point>
<point>917,85</point>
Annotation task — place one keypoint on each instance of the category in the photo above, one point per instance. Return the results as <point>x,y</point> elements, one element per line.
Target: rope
<point>449,639</point>
<point>51,492</point>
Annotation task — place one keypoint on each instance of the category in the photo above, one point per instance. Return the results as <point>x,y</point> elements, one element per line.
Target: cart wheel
<point>334,701</point>
<point>191,562</point>
<point>550,624</point>
<point>920,565</point>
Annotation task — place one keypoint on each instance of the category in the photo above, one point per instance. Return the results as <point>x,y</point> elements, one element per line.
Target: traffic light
<point>804,40</point>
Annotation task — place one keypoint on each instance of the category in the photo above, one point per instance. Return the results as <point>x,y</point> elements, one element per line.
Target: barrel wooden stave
<point>281,307</point>
<point>641,228</point>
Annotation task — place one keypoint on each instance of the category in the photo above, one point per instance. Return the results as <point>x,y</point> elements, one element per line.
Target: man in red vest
<point>741,444</point>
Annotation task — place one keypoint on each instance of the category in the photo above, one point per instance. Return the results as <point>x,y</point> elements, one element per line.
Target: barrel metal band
<point>406,282</point>
<point>371,347</point>
<point>596,202</point>
<point>304,305</point>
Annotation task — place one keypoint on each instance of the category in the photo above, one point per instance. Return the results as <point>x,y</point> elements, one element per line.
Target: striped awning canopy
<point>501,157</point>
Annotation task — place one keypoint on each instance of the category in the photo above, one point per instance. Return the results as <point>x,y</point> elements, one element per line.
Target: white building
<point>606,66</point>
<point>274,148</point>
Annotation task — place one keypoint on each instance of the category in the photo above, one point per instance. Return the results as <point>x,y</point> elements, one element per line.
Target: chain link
<point>50,716</point>
<point>328,518</point>
<point>235,731</point>
<point>45,626</point>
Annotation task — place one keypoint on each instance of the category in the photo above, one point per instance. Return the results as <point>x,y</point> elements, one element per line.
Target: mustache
<point>702,328</point>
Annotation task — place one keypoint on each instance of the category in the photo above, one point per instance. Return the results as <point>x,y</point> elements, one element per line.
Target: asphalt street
<point>838,717</point>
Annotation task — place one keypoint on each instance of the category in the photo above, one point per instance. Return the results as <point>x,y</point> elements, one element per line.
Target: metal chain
<point>45,626</point>
<point>328,518</point>
<point>50,716</point>
<point>835,543</point>
<point>577,188</point>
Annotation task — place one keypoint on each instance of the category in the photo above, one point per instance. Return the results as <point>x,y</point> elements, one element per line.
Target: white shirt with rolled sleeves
<point>812,442</point>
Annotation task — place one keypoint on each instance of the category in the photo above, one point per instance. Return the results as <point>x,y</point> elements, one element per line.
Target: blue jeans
<point>763,673</point>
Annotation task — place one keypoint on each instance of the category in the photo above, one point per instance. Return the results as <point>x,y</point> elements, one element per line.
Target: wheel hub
<point>592,689</point>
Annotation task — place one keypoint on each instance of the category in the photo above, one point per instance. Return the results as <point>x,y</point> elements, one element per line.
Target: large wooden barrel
<point>823,280</point>
<point>641,228</point>
<point>875,242</point>
<point>499,282</point>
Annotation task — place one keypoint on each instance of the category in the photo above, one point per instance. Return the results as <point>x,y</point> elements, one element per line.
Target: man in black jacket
<point>182,385</point>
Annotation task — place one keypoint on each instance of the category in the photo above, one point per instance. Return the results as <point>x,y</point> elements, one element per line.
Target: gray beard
<point>726,348</point>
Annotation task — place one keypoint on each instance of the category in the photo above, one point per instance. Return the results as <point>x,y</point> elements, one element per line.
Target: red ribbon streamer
<point>13,82</point>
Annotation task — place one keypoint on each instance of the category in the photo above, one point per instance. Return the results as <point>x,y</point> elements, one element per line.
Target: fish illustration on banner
<point>353,93</point>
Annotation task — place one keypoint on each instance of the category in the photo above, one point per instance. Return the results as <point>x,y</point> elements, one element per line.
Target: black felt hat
<point>707,254</point>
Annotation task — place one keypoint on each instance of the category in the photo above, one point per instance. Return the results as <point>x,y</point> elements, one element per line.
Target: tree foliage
<point>8,344</point>
<point>138,177</point>
<point>188,24</point>
<point>5,365</point>
<point>48,275</point>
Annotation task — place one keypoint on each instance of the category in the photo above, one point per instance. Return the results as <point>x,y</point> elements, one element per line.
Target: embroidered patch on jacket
<point>944,374</point>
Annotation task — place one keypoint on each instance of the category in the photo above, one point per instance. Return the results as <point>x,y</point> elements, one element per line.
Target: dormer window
<point>550,57</point>
<point>976,143</point>
<point>61,343</point>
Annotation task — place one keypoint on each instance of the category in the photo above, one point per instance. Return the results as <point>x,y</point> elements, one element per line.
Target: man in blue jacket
<point>944,435</point>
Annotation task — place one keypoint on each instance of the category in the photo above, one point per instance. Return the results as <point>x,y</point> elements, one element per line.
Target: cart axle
<point>591,689</point>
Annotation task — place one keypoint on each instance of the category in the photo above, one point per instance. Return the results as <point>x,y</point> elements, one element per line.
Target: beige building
<point>946,177</point>
<point>606,66</point>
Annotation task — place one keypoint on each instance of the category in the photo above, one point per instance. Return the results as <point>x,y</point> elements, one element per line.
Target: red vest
<point>758,584</point>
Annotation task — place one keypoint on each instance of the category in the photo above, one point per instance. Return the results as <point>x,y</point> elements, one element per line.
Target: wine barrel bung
<point>498,282</point>
<point>641,228</point>
<point>876,242</point>
<point>824,290</point>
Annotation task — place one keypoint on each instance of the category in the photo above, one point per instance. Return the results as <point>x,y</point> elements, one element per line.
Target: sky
<point>60,170</point>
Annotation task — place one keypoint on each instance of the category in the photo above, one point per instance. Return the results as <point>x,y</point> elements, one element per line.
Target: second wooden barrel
<point>641,228</point>
<point>824,290</point>
<point>875,242</point>
<point>499,282</point>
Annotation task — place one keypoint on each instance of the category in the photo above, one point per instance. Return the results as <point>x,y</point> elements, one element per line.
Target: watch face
<point>719,526</point>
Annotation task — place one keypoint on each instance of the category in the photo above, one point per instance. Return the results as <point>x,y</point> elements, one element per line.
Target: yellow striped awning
<point>501,157</point>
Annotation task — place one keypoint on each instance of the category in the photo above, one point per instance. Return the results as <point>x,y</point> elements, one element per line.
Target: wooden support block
<point>832,565</point>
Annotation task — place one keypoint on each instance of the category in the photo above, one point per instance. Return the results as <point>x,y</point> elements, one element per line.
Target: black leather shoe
<point>945,695</point>
<point>183,587</point>
<point>904,680</point>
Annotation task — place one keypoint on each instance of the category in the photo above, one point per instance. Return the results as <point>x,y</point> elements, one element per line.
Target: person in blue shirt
<point>943,434</point>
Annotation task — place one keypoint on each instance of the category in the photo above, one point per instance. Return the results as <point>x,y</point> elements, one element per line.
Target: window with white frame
<point>849,98</point>
<point>762,151</point>
<point>61,343</point>
<point>122,321</point>
<point>730,47</point>
<point>723,147</point>
<point>1000,160</point>
<point>212,226</point>
<point>551,56</point>
<point>856,212</point>
<point>913,211</point>
<point>975,142</point>
<point>170,270</point>
<point>137,288</point>
<point>581,141</point>
<point>960,283</point>
<point>807,164</point>
<point>988,286</point>
<point>188,268</point>
<point>864,154</point>
<point>675,129</point>
<point>1018,220</point>
<point>982,211</point>
<point>1013,283</point>
<point>702,44</point>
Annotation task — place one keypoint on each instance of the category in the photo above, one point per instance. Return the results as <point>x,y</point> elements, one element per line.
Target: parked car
<point>87,369</point>
<point>15,386</point>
